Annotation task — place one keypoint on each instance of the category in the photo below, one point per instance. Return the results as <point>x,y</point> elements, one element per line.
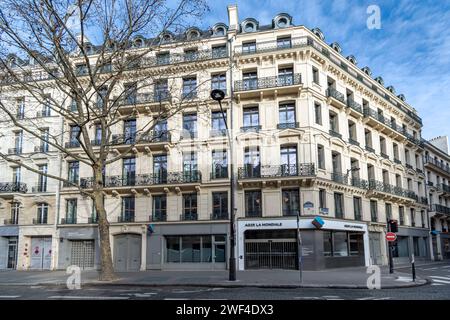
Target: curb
<point>223,285</point>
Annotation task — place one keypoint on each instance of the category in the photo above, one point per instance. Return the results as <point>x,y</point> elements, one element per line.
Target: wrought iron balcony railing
<point>444,187</point>
<point>220,216</point>
<point>288,125</point>
<point>193,176</point>
<point>72,144</point>
<point>6,187</point>
<point>43,114</point>
<point>335,134</point>
<point>92,220</point>
<point>370,149</point>
<point>391,189</point>
<point>151,137</point>
<point>70,220</point>
<point>437,164</point>
<point>42,148</point>
<point>353,142</point>
<point>354,105</point>
<point>333,93</point>
<point>127,218</point>
<point>423,200</point>
<point>40,221</point>
<point>218,133</point>
<point>189,216</point>
<point>219,172</point>
<point>339,177</point>
<point>251,128</point>
<point>268,46</point>
<point>359,183</point>
<point>39,188</point>
<point>441,209</point>
<point>397,161</point>
<point>384,155</point>
<point>407,165</point>
<point>291,212</point>
<point>252,172</point>
<point>15,151</point>
<point>169,59</point>
<point>158,216</point>
<point>11,221</point>
<point>253,213</point>
<point>267,82</point>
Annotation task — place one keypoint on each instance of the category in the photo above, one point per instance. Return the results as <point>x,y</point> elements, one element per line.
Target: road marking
<point>89,297</point>
<point>384,298</point>
<point>9,297</point>
<point>437,284</point>
<point>365,298</point>
<point>404,279</point>
<point>441,281</point>
<point>445,267</point>
<point>176,299</point>
<point>308,298</point>
<point>445,278</point>
<point>430,269</point>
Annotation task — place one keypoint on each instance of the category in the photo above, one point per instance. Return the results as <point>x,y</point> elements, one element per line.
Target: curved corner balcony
<point>380,122</point>
<point>13,187</point>
<point>444,168</point>
<point>255,87</point>
<point>336,98</point>
<point>387,191</point>
<point>440,210</point>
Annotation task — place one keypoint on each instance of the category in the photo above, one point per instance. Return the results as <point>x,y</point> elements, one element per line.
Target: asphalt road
<point>439,289</point>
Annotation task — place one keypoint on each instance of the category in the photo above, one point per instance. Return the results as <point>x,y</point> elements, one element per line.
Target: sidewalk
<point>350,278</point>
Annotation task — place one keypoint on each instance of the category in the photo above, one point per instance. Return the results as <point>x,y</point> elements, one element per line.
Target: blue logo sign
<point>150,229</point>
<point>318,222</point>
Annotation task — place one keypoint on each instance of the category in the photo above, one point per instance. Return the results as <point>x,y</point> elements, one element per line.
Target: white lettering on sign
<point>350,226</point>
<point>264,224</point>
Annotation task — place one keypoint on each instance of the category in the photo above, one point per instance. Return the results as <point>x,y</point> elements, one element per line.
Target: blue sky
<point>411,51</point>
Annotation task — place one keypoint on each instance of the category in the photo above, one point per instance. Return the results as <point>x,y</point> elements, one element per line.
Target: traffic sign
<point>390,236</point>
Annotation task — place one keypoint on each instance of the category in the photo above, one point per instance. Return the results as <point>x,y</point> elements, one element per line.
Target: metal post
<point>299,248</point>
<point>390,248</point>
<point>413,267</point>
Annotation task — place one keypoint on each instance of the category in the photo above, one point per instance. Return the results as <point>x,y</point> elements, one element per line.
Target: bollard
<point>413,268</point>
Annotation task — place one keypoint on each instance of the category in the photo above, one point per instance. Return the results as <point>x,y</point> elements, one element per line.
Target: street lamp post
<point>218,95</point>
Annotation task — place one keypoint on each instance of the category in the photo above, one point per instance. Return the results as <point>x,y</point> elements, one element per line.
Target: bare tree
<point>45,55</point>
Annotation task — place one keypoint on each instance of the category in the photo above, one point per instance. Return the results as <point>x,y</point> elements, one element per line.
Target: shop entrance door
<point>12,253</point>
<point>82,253</point>
<point>375,248</point>
<point>41,253</point>
<point>127,252</point>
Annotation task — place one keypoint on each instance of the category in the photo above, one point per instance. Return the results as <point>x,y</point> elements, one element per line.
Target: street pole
<point>299,248</point>
<point>391,259</point>
<point>413,267</point>
<point>218,95</point>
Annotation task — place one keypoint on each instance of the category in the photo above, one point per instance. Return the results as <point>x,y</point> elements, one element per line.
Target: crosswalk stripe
<point>441,281</point>
<point>437,284</point>
<point>9,297</point>
<point>445,278</point>
<point>88,297</point>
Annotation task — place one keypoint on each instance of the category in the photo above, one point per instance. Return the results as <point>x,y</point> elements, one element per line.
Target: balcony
<point>218,133</point>
<point>11,221</point>
<point>39,188</point>
<point>16,151</point>
<point>339,177</point>
<point>158,216</point>
<point>336,98</point>
<point>72,144</point>
<point>142,180</point>
<point>397,161</point>
<point>271,46</point>
<point>441,210</point>
<point>384,155</point>
<point>42,148</point>
<point>151,137</point>
<point>282,84</point>
<point>423,200</point>
<point>335,134</point>
<point>251,128</point>
<point>353,142</point>
<point>355,106</point>
<point>8,187</point>
<point>40,221</point>
<point>408,166</point>
<point>169,59</point>
<point>257,172</point>
<point>381,187</point>
<point>127,218</point>
<point>145,98</point>
<point>287,125</point>
<point>71,184</point>
<point>219,172</point>
<point>437,164</point>
<point>43,114</point>
<point>445,188</point>
<point>189,217</point>
<point>72,220</point>
<point>220,216</point>
<point>375,119</point>
<point>370,149</point>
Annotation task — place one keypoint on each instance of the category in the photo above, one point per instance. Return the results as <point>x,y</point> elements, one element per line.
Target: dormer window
<point>193,35</point>
<point>138,43</point>
<point>367,71</point>
<point>336,47</point>
<point>249,27</point>
<point>318,33</point>
<point>380,80</point>
<point>281,20</point>
<point>352,59</point>
<point>391,89</point>
<point>220,32</point>
<point>219,29</point>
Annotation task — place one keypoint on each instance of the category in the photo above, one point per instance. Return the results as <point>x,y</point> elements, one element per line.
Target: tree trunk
<point>107,268</point>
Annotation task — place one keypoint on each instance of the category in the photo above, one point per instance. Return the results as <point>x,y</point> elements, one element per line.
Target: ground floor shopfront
<point>411,241</point>
<point>9,237</point>
<point>78,246</point>
<point>273,244</point>
<point>440,245</point>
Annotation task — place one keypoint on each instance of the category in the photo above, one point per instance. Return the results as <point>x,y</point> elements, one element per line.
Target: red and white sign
<point>391,236</point>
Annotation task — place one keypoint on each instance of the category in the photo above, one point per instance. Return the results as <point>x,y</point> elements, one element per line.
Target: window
<point>129,131</point>
<point>288,161</point>
<point>163,58</point>
<point>249,27</point>
<point>251,118</point>
<point>422,218</point>
<point>252,162</point>
<point>159,208</point>
<point>339,205</point>
<point>220,205</point>
<point>15,211</point>
<point>357,206</point>
<point>287,115</point>
<point>190,125</point>
<point>286,76</point>
<point>371,173</point>
<point>284,42</point>
<point>315,73</point>
<point>342,244</point>
<point>249,47</point>
<point>322,198</point>
<point>129,171</point>
<point>42,179</point>
<point>219,164</point>
<point>18,140</point>
<point>368,138</point>
<point>44,140</point>
<point>74,168</point>
<point>17,175</point>
<point>160,168</point>
<point>190,206</point>
<point>101,97</point>
<point>413,217</point>
<point>130,93</point>
<point>336,161</point>
<point>98,134</point>
<point>253,203</point>
<point>81,69</point>
<point>401,215</point>
<point>383,146</point>
<point>373,211</point>
<point>321,156</point>
<point>74,133</point>
<point>46,108</point>
<point>219,81</point>
<point>334,122</point>
<point>161,90</point>
<point>250,80</point>
<point>385,176</point>
<point>195,249</point>
<point>189,88</point>
<point>352,132</point>
<point>395,149</point>
<point>42,213</point>
<point>219,51</point>
<point>71,211</point>
<point>388,208</point>
<point>318,113</point>
<point>291,202</point>
<point>189,162</point>
<point>191,55</point>
<point>218,123</point>
<point>128,206</point>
